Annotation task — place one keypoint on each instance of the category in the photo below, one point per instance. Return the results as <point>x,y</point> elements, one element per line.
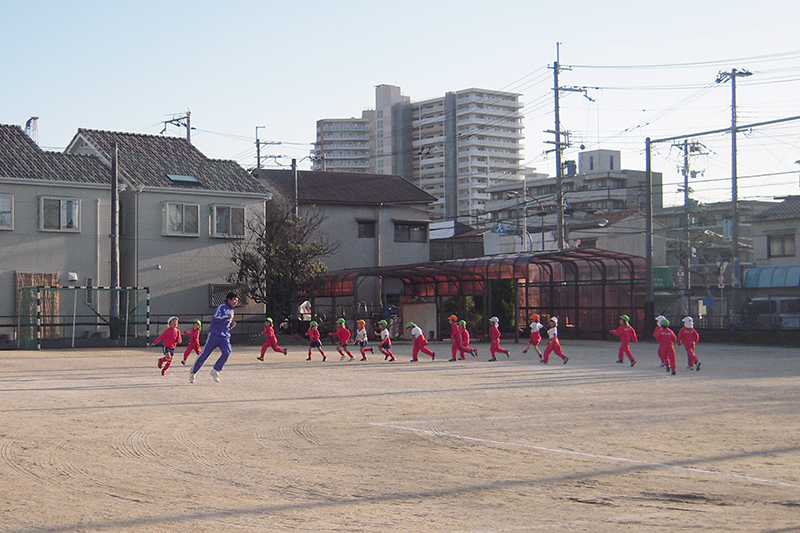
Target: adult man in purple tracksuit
<point>219,336</point>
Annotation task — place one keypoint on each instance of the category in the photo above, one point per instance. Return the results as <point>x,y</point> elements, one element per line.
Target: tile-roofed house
<point>345,187</point>
<point>179,212</point>
<point>149,160</point>
<point>377,219</point>
<point>789,208</point>
<point>776,241</point>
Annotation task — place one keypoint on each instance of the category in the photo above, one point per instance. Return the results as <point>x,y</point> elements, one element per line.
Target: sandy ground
<point>100,441</point>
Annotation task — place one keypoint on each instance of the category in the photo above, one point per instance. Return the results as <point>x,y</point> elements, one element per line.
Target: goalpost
<point>70,316</point>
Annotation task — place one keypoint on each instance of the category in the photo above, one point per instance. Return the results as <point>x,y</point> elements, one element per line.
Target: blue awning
<point>772,277</point>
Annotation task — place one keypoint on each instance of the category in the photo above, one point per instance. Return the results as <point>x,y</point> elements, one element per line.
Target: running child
<point>172,338</point>
<point>553,345</point>
<point>386,341</point>
<point>342,336</point>
<point>313,337</point>
<point>194,340</point>
<point>361,338</point>
<point>494,335</point>
<point>455,334</point>
<point>626,336</point>
<point>420,342</point>
<point>462,328</point>
<point>688,336</point>
<point>536,335</point>
<point>272,340</point>
<point>666,348</point>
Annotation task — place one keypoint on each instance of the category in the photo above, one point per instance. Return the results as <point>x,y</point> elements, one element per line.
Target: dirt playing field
<point>98,440</point>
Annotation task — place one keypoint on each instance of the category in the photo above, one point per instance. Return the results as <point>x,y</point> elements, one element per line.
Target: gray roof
<point>345,187</point>
<point>148,159</point>
<point>21,158</point>
<point>788,209</point>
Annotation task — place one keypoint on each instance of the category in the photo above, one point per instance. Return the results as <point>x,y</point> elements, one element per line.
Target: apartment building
<point>452,147</point>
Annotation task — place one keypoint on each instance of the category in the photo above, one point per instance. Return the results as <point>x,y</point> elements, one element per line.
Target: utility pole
<point>296,201</point>
<point>259,144</point>
<point>113,311</point>
<point>559,145</point>
<point>737,278</point>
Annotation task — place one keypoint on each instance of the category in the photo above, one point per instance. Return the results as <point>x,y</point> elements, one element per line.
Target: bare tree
<point>280,256</point>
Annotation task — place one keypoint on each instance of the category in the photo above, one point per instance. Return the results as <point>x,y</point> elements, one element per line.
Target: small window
<point>182,178</point>
<point>366,229</point>
<point>781,245</point>
<point>227,221</point>
<point>182,219</point>
<point>59,214</point>
<point>410,232</point>
<point>6,212</point>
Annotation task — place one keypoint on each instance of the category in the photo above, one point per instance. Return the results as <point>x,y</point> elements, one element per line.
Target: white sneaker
<point>343,358</point>
<point>215,375</point>
<point>191,378</point>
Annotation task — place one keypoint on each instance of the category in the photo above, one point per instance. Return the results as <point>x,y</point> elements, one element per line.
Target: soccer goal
<point>59,317</point>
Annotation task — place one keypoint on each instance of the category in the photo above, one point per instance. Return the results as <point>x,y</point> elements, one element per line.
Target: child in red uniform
<point>420,342</point>
<point>386,341</point>
<point>552,343</point>
<point>172,338</point>
<point>688,336</point>
<point>666,348</point>
<point>626,335</point>
<point>194,340</point>
<point>462,327</point>
<point>494,335</point>
<point>455,334</point>
<point>536,335</point>
<point>342,336</point>
<point>362,340</point>
<point>313,336</point>
<point>272,340</point>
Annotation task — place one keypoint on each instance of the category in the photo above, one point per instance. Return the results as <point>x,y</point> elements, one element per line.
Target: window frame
<point>166,229</point>
<point>215,208</point>
<point>783,238</point>
<point>10,225</point>
<point>63,222</point>
<point>399,227</point>
<point>364,224</point>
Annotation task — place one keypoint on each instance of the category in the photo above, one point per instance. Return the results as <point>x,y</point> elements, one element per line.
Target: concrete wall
<point>761,233</point>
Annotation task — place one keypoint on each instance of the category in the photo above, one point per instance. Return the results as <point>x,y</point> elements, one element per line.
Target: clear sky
<point>129,66</point>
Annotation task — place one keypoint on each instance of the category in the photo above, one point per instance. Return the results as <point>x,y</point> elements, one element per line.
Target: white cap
<point>659,318</point>
<point>688,322</point>
<point>495,320</point>
<point>171,319</point>
<point>554,319</point>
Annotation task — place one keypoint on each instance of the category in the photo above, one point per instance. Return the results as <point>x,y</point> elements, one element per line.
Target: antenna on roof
<point>32,129</point>
<point>182,119</point>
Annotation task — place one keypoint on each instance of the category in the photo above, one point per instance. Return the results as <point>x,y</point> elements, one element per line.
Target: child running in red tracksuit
<point>362,340</point>
<point>462,327</point>
<point>313,337</point>
<point>536,335</point>
<point>172,338</point>
<point>494,335</point>
<point>194,340</point>
<point>342,336</point>
<point>272,340</point>
<point>455,334</point>
<point>420,342</point>
<point>688,336</point>
<point>552,343</point>
<point>386,341</point>
<point>666,348</point>
<point>626,335</point>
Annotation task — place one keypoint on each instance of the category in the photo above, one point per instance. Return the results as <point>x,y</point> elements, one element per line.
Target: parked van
<point>777,313</point>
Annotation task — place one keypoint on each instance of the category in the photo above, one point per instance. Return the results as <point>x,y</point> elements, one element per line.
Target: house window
<point>366,229</point>
<point>410,232</point>
<point>59,214</point>
<point>182,219</point>
<point>6,212</point>
<point>781,245</point>
<point>227,221</point>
